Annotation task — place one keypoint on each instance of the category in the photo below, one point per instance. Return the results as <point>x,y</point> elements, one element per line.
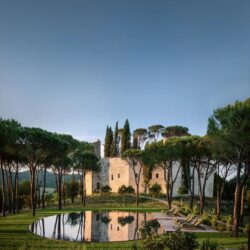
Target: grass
<point>15,234</point>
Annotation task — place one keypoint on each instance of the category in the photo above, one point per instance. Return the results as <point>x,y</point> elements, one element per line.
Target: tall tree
<point>62,161</point>
<point>172,131</point>
<point>165,154</point>
<point>115,142</point>
<point>33,140</point>
<point>154,131</point>
<point>126,137</point>
<point>204,164</point>
<point>108,142</point>
<point>230,128</point>
<point>85,161</point>
<point>9,133</point>
<point>139,137</point>
<point>179,131</point>
<point>134,159</point>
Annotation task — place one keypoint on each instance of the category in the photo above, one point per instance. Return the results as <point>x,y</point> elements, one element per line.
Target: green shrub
<point>186,209</point>
<point>221,227</point>
<point>182,190</point>
<point>180,241</point>
<point>246,229</point>
<point>195,210</point>
<point>149,230</point>
<point>229,220</point>
<point>126,190</point>
<point>209,245</point>
<point>213,221</point>
<point>205,219</point>
<point>106,189</point>
<point>155,189</point>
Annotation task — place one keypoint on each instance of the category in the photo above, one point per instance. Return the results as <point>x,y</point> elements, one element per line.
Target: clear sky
<point>74,66</point>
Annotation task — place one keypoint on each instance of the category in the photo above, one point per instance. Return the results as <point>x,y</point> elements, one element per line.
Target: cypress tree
<point>126,137</point>
<point>108,142</point>
<point>114,148</point>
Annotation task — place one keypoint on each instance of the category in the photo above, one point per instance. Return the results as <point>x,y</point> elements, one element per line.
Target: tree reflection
<point>73,218</point>
<point>74,227</point>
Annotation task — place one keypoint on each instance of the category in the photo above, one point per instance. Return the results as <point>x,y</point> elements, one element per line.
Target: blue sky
<point>76,66</point>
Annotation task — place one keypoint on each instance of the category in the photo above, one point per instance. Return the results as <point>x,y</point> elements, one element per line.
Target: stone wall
<point>116,172</point>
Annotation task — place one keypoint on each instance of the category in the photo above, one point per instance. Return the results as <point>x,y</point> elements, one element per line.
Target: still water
<point>92,226</point>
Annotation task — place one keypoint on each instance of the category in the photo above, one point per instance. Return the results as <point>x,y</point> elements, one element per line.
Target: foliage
<point>108,142</point>
<point>154,131</point>
<point>173,241</point>
<point>72,189</point>
<point>180,241</point>
<point>115,142</point>
<point>126,137</point>
<point>139,137</point>
<point>229,130</point>
<point>126,190</point>
<point>125,220</point>
<point>209,245</point>
<point>155,189</point>
<point>106,189</point>
<point>195,210</point>
<point>172,131</point>
<point>214,220</point>
<point>105,219</point>
<point>149,230</point>
<point>182,190</point>
<point>229,220</point>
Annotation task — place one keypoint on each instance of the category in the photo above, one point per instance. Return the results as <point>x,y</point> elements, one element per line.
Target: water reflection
<point>92,226</point>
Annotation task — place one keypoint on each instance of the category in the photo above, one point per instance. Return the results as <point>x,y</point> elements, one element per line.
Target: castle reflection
<point>93,226</point>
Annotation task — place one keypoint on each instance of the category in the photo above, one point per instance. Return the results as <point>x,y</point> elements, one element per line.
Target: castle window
<point>97,185</point>
<point>118,228</point>
<point>112,177</point>
<point>111,226</point>
<point>118,175</point>
<point>157,176</point>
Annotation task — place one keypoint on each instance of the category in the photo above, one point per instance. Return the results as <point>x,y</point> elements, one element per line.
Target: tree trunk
<point>84,190</point>
<point>59,189</point>
<point>44,186</point>
<point>16,190</point>
<point>12,189</point>
<point>33,188</point>
<point>218,204</point>
<point>3,187</point>
<point>9,193</point>
<point>242,205</point>
<point>191,204</point>
<point>202,203</point>
<point>219,197</point>
<point>236,214</point>
<point>64,190</point>
<point>248,201</point>
<point>82,186</point>
<point>137,194</point>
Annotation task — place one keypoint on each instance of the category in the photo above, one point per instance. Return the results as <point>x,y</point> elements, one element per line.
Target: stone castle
<point>116,172</point>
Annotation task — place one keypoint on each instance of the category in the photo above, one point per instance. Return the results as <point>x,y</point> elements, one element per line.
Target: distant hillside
<point>50,178</point>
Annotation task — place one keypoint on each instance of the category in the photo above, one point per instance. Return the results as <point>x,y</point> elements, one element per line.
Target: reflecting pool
<point>93,226</point>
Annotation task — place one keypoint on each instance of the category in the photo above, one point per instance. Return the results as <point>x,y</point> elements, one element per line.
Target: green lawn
<point>14,229</point>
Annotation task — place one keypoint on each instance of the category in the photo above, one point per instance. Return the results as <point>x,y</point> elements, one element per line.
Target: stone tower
<point>97,148</point>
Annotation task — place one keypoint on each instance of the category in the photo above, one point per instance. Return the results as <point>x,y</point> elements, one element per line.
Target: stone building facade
<point>116,172</point>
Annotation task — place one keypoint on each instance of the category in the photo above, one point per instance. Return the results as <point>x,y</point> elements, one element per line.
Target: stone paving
<point>168,224</point>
